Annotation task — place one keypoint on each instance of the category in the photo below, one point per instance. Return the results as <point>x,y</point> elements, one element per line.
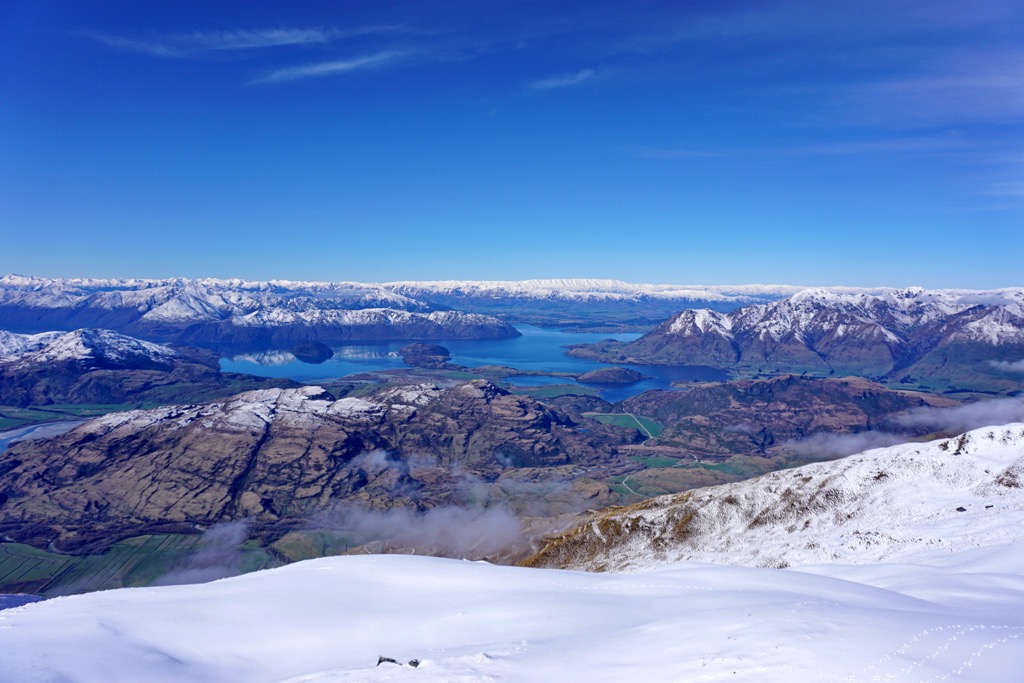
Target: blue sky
<point>805,142</point>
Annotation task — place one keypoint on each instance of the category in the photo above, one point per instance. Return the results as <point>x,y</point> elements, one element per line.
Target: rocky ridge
<point>277,456</point>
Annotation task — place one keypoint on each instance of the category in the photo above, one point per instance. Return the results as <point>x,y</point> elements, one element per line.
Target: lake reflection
<point>538,349</point>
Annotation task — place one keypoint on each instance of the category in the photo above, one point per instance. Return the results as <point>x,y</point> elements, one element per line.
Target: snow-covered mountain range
<point>233,312</point>
<point>908,332</point>
<point>584,289</point>
<point>907,565</point>
<point>165,309</point>
<point>404,295</point>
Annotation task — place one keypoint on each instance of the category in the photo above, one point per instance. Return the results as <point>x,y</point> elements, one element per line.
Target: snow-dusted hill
<point>908,503</point>
<point>94,347</point>
<point>329,620</point>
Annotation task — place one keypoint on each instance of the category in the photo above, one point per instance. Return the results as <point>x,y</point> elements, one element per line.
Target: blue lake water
<point>539,349</point>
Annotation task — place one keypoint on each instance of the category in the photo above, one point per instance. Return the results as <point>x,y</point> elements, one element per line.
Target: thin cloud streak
<point>899,145</point>
<point>197,42</point>
<point>647,152</point>
<point>830,22</point>
<point>320,69</point>
<point>908,145</point>
<point>949,88</point>
<point>564,80</point>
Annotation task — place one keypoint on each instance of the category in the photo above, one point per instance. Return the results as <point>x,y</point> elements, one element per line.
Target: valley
<point>323,447</point>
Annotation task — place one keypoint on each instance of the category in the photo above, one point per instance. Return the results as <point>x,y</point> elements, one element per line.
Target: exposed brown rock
<point>280,454</point>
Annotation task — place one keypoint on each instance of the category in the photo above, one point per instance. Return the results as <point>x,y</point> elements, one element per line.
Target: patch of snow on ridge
<point>14,346</point>
<point>183,308</point>
<point>415,395</point>
<point>1000,325</point>
<point>701,320</point>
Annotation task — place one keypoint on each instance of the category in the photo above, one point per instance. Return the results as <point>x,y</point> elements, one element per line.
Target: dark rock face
<point>612,376</point>
<point>430,356</point>
<point>67,382</point>
<point>312,352</point>
<point>369,325</point>
<point>284,454</point>
<point>758,417</point>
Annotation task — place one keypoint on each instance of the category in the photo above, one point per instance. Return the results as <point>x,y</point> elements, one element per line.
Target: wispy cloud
<point>198,42</point>
<point>332,68</point>
<point>901,145</point>
<point>564,80</point>
<point>897,145</point>
<point>996,411</point>
<point>1010,366</point>
<point>987,93</point>
<point>654,152</point>
<point>828,21</point>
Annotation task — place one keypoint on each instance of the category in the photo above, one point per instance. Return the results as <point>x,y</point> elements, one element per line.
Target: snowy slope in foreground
<point>913,502</point>
<point>328,620</point>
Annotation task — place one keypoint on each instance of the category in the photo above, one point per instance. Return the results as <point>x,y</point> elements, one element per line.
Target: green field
<point>655,461</point>
<point>12,416</point>
<point>616,485</point>
<point>646,425</point>
<point>137,561</point>
<point>133,562</point>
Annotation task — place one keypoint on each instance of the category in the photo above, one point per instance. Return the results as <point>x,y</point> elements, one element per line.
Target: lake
<point>539,349</point>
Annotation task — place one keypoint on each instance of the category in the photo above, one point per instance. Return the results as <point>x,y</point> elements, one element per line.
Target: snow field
<point>328,620</point>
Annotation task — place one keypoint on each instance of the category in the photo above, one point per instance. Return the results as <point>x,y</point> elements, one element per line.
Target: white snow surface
<point>328,620</point>
<point>251,410</point>
<point>945,605</point>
